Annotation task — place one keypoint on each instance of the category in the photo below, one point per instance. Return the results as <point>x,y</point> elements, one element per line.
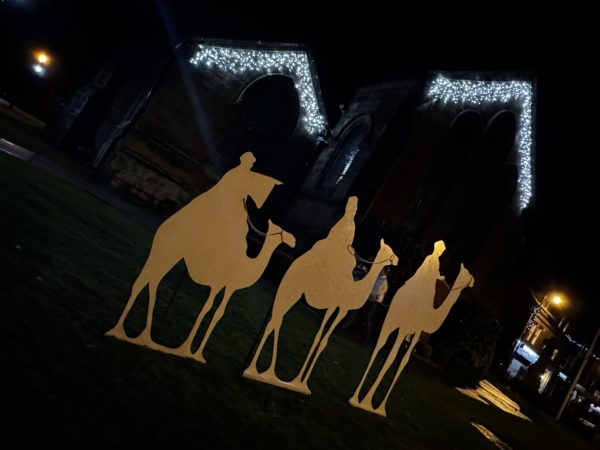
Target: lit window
<point>537,335</point>
<point>544,379</point>
<point>528,353</point>
<point>531,332</point>
<point>345,156</point>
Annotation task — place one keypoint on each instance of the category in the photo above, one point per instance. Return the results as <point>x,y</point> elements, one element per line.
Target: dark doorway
<point>269,113</point>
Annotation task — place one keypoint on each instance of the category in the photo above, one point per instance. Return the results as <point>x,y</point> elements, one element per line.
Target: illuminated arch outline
<point>293,63</point>
<point>475,92</point>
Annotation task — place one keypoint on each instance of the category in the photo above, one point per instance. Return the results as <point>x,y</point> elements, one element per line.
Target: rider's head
<point>438,248</point>
<point>247,160</point>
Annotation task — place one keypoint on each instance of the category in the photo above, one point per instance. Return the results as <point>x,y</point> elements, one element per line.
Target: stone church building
<point>433,157</point>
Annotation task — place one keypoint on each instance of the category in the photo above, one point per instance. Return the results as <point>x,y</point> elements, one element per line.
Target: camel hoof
<point>184,349</point>
<point>301,388</point>
<point>367,406</point>
<point>304,389</point>
<point>144,339</point>
<point>354,402</point>
<point>379,411</point>
<point>250,373</point>
<point>199,357</point>
<point>116,332</point>
<point>253,375</point>
<point>183,352</point>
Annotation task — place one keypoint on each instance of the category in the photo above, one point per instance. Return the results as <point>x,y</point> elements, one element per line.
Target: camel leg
<point>185,349</point>
<point>316,340</point>
<point>285,298</point>
<point>381,408</point>
<point>118,330</point>
<point>151,275</point>
<point>145,337</point>
<point>383,337</point>
<point>268,375</point>
<point>271,369</point>
<point>322,346</point>
<point>252,369</point>
<point>215,319</point>
<point>386,365</point>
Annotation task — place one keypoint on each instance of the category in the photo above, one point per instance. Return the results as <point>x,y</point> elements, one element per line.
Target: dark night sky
<point>368,44</point>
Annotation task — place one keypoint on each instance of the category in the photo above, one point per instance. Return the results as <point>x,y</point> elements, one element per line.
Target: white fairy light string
<point>473,92</point>
<point>294,63</point>
<point>581,346</point>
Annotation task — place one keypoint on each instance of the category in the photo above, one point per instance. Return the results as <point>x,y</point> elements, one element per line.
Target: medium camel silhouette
<point>410,313</point>
<point>327,260</point>
<point>317,275</point>
<point>209,234</point>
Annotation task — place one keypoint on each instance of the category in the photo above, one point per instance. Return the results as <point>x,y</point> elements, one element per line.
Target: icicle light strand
<point>292,63</point>
<point>472,92</point>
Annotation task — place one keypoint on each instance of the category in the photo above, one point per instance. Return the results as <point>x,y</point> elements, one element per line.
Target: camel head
<point>464,276</point>
<point>275,231</point>
<point>386,253</point>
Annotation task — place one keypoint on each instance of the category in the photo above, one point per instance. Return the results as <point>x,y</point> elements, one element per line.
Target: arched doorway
<point>269,110</point>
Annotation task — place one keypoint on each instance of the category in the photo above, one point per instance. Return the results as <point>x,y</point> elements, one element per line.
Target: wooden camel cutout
<point>411,312</point>
<point>209,234</point>
<point>324,276</point>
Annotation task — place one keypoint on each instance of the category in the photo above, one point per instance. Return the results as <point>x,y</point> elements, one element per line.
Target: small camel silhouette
<point>410,313</point>
<point>209,234</point>
<point>317,275</point>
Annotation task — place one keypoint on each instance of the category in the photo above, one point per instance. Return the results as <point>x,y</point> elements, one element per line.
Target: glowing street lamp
<point>548,300</point>
<point>543,305</point>
<point>535,311</point>
<point>41,62</point>
<point>42,58</point>
<point>39,70</point>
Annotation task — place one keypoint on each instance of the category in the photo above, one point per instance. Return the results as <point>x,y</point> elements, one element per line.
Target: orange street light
<point>42,58</point>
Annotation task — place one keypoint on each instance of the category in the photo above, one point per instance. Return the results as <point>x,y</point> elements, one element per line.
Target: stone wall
<point>136,177</point>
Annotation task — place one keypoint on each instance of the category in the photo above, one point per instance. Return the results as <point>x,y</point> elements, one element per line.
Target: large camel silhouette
<point>324,276</point>
<point>209,234</point>
<point>410,313</point>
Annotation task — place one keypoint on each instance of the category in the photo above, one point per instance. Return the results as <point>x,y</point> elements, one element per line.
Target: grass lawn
<point>67,261</point>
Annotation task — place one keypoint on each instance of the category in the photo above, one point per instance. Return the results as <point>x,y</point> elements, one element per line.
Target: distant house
<point>542,352</point>
<point>545,359</point>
